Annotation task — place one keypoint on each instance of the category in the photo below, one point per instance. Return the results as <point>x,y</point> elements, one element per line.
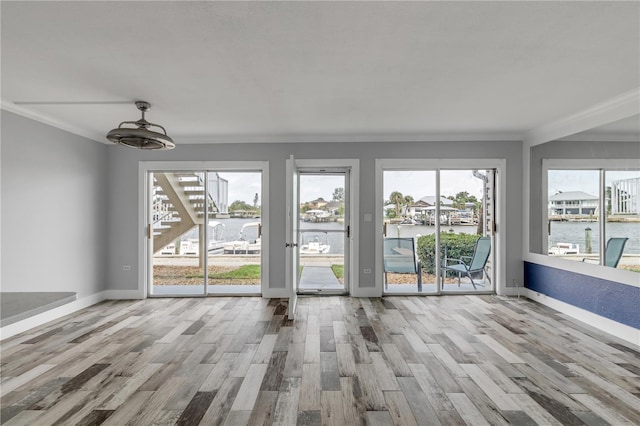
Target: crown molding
<point>614,109</point>
<point>603,137</point>
<point>338,138</point>
<point>43,118</point>
<point>280,138</point>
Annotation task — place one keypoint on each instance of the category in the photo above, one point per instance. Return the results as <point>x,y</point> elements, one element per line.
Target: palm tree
<point>397,199</point>
<point>408,200</point>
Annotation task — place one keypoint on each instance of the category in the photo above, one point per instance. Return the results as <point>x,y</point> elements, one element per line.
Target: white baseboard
<point>366,292</point>
<point>123,295</point>
<point>624,332</point>
<point>276,293</point>
<point>512,291</point>
<point>51,315</point>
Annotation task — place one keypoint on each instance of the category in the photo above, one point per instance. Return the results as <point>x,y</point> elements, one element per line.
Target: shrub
<point>457,245</point>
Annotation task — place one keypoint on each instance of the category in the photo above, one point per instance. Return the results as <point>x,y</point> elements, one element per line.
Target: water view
<point>574,233</point>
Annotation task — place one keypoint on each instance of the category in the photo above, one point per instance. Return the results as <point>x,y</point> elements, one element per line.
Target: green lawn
<point>245,272</point>
<point>338,271</point>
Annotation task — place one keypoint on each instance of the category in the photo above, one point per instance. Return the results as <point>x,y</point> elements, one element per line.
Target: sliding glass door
<point>205,232</point>
<point>438,230</point>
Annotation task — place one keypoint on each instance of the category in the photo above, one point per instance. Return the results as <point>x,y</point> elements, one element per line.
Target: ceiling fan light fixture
<point>140,136</point>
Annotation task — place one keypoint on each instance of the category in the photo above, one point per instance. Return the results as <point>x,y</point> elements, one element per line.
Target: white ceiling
<point>317,71</point>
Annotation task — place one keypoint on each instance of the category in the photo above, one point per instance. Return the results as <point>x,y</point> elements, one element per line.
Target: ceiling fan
<point>136,135</point>
<point>140,136</point>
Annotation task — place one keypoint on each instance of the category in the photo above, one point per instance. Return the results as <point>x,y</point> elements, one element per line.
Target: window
<point>592,213</point>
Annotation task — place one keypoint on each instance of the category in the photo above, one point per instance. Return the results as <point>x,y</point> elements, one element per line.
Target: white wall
<point>123,194</point>
<point>54,222</point>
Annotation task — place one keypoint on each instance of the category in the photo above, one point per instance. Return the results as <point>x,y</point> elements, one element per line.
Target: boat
<point>314,247</point>
<point>190,244</point>
<point>564,248</point>
<point>246,244</point>
<point>316,216</point>
<point>466,217</point>
<point>168,250</point>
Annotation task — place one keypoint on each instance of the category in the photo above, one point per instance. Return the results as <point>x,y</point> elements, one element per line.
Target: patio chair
<point>613,252</point>
<point>400,257</point>
<point>476,263</point>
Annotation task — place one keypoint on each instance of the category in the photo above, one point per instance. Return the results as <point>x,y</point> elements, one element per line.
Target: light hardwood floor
<point>473,360</point>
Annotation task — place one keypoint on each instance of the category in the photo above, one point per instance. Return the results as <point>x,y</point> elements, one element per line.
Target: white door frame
<point>292,259</point>
<point>499,164</point>
<point>353,200</point>
<point>346,231</point>
<point>145,167</point>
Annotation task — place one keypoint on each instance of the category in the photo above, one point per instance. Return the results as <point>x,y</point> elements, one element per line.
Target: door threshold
<point>320,292</point>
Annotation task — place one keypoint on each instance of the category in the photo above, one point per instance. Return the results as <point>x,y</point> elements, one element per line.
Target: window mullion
<point>603,216</point>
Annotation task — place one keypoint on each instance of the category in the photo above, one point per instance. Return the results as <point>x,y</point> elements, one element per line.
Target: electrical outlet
<point>366,271</point>
<point>126,267</point>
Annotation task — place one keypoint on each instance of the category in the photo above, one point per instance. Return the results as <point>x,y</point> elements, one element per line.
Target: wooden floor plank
<point>372,395</point>
<point>248,392</point>
<point>352,403</point>
<point>221,405</point>
<point>399,409</point>
<point>332,411</point>
<point>286,411</point>
<point>469,412</point>
<point>310,388</point>
<point>196,408</point>
<point>379,418</point>
<point>422,410</point>
<point>262,413</point>
<point>399,360</point>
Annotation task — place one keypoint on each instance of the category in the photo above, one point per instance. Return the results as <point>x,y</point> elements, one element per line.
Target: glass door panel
<point>177,226</point>
<point>410,228</point>
<point>623,211</point>
<point>235,232</point>
<point>291,234</point>
<point>323,232</point>
<point>467,243</point>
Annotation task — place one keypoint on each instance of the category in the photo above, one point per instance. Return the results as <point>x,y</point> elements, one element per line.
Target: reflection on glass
<point>466,217</point>
<point>573,200</point>
<point>178,261</point>
<point>235,243</point>
<point>410,229</point>
<point>622,227</point>
<point>194,225</point>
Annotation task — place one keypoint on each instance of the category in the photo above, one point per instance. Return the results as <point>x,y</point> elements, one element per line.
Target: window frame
<point>599,165</point>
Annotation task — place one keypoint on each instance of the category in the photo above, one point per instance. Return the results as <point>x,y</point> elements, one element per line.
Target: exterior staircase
<point>178,205</point>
